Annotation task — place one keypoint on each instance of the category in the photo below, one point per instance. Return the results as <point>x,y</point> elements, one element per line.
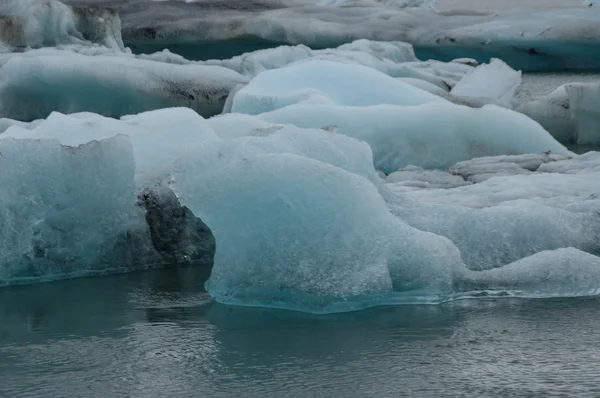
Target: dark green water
<point>158,334</point>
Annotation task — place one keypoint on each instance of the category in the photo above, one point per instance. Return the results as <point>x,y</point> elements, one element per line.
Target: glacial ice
<point>32,87</point>
<point>569,113</point>
<point>531,40</point>
<point>326,83</point>
<point>298,233</point>
<point>62,210</point>
<point>345,177</point>
<point>495,80</point>
<point>301,219</point>
<point>583,104</point>
<point>41,23</point>
<point>157,137</point>
<point>554,273</point>
<point>434,135</point>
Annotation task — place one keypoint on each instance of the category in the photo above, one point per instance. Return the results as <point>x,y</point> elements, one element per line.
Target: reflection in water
<point>158,334</point>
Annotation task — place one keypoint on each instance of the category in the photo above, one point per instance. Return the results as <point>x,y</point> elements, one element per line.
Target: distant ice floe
<point>570,113</point>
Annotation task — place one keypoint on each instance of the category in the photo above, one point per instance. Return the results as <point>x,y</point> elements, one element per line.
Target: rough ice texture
<point>555,273</point>
<point>62,209</point>
<point>553,113</point>
<point>32,87</point>
<point>569,113</point>
<point>514,214</point>
<point>327,83</point>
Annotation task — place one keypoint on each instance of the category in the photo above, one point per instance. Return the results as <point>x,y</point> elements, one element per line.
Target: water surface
<point>158,334</point>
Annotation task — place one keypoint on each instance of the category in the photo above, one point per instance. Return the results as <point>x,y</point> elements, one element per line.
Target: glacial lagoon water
<point>158,334</point>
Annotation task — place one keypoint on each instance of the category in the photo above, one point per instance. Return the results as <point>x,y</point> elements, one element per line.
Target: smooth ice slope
<point>327,83</point>
<point>33,87</point>
<point>434,135</point>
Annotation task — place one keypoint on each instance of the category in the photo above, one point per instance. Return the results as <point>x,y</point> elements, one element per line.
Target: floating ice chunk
<point>564,272</point>
<point>495,80</point>
<point>157,136</point>
<point>434,135</point>
<point>553,113</point>
<point>41,23</point>
<point>584,100</point>
<point>583,164</point>
<point>33,87</point>
<point>569,113</point>
<point>339,248</point>
<point>324,82</point>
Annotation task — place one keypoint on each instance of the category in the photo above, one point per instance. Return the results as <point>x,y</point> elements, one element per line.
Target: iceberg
<point>327,83</point>
<point>31,87</point>
<point>526,40</point>
<point>402,136</point>
<point>569,113</point>
<point>554,273</point>
<point>77,203</point>
<point>337,249</point>
<point>495,80</point>
<point>62,210</point>
<point>157,137</point>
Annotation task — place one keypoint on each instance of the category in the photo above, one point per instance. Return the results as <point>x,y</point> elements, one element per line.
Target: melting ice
<point>318,180</point>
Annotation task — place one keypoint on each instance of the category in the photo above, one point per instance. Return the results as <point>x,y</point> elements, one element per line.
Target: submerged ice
<point>318,180</point>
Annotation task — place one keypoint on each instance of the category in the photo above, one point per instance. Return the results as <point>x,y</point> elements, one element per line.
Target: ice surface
<point>569,113</point>
<point>416,177</point>
<point>388,3</point>
<point>556,273</point>
<point>514,213</point>
<point>327,83</point>
<point>157,136</point>
<point>62,209</point>
<point>396,59</point>
<point>434,135</point>
<point>495,80</point>
<point>584,99</point>
<point>527,40</point>
<point>33,87</point>
<point>40,23</point>
<point>338,249</point>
